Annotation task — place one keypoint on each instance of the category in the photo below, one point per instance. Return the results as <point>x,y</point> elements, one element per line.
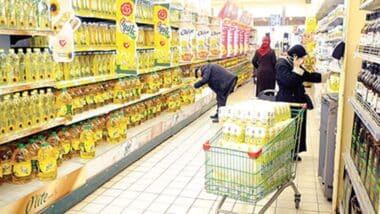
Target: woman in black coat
<point>290,78</point>
<point>264,62</point>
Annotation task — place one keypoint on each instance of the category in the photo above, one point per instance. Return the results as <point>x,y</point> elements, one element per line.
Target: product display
<point>60,119</point>
<point>365,152</point>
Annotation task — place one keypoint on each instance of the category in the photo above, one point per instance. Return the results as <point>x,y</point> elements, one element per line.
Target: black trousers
<point>221,98</point>
<point>302,141</point>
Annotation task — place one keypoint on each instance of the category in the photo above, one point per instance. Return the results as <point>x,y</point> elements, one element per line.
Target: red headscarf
<point>265,46</point>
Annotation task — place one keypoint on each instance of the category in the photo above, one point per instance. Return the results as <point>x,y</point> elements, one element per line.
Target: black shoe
<point>216,120</point>
<point>297,158</point>
<point>214,116</point>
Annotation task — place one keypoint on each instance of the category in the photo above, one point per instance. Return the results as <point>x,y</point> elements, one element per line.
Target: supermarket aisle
<point>170,179</point>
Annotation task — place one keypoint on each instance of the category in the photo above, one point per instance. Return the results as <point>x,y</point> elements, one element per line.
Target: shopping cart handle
<point>206,146</point>
<point>255,154</point>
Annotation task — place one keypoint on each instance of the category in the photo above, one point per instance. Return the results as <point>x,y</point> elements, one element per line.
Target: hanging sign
<point>64,25</point>
<point>186,37</point>
<point>126,36</point>
<point>162,34</point>
<point>215,39</point>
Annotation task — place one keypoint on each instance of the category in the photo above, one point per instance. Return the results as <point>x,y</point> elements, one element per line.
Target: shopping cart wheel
<point>297,200</point>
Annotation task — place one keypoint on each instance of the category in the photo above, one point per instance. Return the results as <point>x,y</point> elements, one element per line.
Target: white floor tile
<point>112,209</point>
<point>93,208</point>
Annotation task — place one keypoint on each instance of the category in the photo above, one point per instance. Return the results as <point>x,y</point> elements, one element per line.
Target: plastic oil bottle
<point>19,111</point>
<point>26,109</point>
<point>6,163</point>
<point>113,130</point>
<point>43,105</point>
<point>66,139</point>
<point>35,113</point>
<point>55,142</point>
<point>50,103</point>
<point>21,68</point>
<point>37,64</point>
<point>75,133</point>
<point>87,143</point>
<point>33,148</point>
<point>3,114</point>
<point>3,67</point>
<point>47,162</point>
<point>10,116</point>
<point>28,65</point>
<point>22,165</point>
<point>12,62</point>
<point>64,104</point>
<point>3,14</point>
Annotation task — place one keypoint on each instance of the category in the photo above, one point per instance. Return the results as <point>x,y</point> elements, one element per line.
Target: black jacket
<point>291,84</point>
<point>217,78</point>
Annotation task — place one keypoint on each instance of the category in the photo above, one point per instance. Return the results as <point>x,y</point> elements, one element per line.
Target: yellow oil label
<point>22,169</point>
<point>126,35</point>
<point>162,33</point>
<point>99,134</point>
<point>48,165</point>
<point>7,167</point>
<point>89,145</point>
<point>66,147</point>
<point>76,144</point>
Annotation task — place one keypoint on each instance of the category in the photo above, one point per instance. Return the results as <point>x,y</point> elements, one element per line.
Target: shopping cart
<point>251,176</point>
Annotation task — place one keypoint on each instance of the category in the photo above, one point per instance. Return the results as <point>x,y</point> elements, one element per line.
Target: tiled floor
<point>170,179</point>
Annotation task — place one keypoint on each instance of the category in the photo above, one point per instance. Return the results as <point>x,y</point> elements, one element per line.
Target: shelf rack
<point>7,89</point>
<point>370,5</point>
<point>357,184</point>
<point>95,16</point>
<point>26,32</point>
<point>88,80</point>
<point>334,22</point>
<point>367,116</point>
<point>95,48</point>
<point>368,57</point>
<point>30,131</point>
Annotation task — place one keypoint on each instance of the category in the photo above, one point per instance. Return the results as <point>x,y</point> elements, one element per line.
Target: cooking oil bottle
<point>10,116</point>
<point>12,16</point>
<point>28,65</point>
<point>40,69</point>
<point>66,139</point>
<point>87,143</point>
<point>36,116</point>
<point>46,64</point>
<point>21,68</point>
<point>3,14</point>
<point>75,133</point>
<point>6,163</point>
<point>22,165</point>
<point>47,162</point>
<point>64,104</point>
<point>3,67</point>
<point>26,109</point>
<point>33,148</point>
<point>55,142</point>
<point>18,110</point>
<point>50,104</point>
<point>113,131</point>
<point>12,62</point>
<point>118,92</point>
<point>43,105</point>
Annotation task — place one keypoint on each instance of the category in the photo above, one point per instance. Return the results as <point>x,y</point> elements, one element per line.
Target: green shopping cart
<point>251,176</point>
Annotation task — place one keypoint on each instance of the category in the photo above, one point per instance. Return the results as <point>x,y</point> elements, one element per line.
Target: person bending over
<point>221,81</point>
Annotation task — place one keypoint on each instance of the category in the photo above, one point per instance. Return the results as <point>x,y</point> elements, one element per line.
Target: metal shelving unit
<point>357,184</point>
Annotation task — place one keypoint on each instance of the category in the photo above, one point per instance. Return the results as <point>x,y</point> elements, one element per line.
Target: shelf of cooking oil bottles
<point>35,110</point>
<point>39,156</point>
<point>25,17</point>
<point>102,9</point>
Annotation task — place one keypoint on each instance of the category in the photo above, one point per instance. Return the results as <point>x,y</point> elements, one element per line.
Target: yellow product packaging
<point>87,143</point>
<point>186,37</point>
<point>22,165</point>
<point>202,41</point>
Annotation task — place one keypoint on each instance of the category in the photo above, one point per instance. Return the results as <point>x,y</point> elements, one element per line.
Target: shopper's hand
<point>304,106</point>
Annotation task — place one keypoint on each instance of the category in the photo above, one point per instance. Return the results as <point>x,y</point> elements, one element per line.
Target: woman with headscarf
<point>264,62</point>
<point>290,78</point>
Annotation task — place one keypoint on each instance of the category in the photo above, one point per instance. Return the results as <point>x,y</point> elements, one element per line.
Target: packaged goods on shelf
<point>175,16</point>
<point>25,15</point>
<point>95,35</point>
<point>203,34</point>
<point>145,37</point>
<point>369,37</point>
<point>144,10</point>
<point>187,38</point>
<point>95,8</point>
<point>29,109</point>
<point>146,58</point>
<point>152,83</point>
<point>88,64</point>
<point>215,39</point>
<point>26,67</point>
<point>365,152</point>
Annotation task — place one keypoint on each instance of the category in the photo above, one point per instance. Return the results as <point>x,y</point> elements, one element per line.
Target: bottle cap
<point>54,134</point>
<point>45,144</point>
<point>21,146</point>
